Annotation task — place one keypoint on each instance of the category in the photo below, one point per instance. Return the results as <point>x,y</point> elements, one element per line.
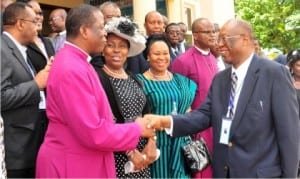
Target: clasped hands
<point>150,123</point>
<point>144,158</point>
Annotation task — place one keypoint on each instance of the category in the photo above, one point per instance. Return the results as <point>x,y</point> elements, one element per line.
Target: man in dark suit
<point>254,115</point>
<point>20,91</point>
<point>173,34</point>
<point>183,46</point>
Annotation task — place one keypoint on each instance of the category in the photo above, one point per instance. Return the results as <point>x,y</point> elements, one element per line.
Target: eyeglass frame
<point>32,21</point>
<point>171,32</point>
<point>206,32</point>
<point>226,37</point>
<point>54,18</point>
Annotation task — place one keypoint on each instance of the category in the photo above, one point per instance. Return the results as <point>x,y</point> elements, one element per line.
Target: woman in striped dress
<point>166,93</point>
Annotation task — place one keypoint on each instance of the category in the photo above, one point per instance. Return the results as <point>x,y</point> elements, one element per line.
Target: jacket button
<point>230,144</point>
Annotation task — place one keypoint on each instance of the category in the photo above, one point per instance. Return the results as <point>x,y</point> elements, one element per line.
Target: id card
<point>225,130</point>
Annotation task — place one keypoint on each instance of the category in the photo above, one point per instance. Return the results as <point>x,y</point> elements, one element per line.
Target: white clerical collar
<point>89,58</point>
<point>203,52</point>
<point>62,32</point>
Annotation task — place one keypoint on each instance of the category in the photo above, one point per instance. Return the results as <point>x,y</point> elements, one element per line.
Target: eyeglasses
<point>227,37</point>
<point>32,21</point>
<point>174,32</point>
<point>206,32</point>
<point>53,19</point>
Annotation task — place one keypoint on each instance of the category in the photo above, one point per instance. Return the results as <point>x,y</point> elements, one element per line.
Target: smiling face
<point>115,51</point>
<point>235,42</point>
<point>39,14</point>
<point>159,57</point>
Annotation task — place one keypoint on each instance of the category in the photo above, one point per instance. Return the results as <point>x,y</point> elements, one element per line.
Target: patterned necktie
<point>234,79</point>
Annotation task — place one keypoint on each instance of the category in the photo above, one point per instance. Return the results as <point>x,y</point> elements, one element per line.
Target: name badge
<point>225,130</point>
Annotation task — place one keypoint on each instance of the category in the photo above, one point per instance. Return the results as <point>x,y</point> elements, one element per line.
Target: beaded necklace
<point>114,74</point>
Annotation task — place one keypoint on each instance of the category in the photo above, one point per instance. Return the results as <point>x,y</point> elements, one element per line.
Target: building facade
<point>176,10</point>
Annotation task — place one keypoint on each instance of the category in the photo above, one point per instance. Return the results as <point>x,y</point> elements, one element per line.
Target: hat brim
<point>135,46</point>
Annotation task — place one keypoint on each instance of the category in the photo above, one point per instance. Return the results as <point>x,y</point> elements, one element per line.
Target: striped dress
<point>165,97</point>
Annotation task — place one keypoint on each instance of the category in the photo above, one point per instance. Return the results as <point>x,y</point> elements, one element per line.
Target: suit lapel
<point>16,53</point>
<point>247,90</point>
<point>225,85</point>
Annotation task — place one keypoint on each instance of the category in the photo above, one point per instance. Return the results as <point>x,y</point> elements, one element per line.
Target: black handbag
<point>196,155</point>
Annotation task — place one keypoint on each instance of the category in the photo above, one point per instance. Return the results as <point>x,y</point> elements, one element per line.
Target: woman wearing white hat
<point>125,92</point>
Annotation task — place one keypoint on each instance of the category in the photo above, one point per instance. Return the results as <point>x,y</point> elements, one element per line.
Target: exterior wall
<point>218,11</point>
<point>62,3</point>
<point>140,9</point>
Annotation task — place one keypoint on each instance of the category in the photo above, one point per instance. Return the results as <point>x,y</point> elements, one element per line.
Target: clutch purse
<point>196,155</point>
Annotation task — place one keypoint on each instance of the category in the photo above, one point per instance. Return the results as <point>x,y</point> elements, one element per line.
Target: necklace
<point>160,77</point>
<point>115,74</point>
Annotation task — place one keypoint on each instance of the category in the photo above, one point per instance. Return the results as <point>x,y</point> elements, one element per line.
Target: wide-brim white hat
<point>125,28</point>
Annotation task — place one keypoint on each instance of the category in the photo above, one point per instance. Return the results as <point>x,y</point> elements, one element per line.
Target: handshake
<point>150,123</point>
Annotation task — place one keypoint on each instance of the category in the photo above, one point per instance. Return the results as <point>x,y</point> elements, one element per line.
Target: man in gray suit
<point>20,91</point>
<point>254,115</point>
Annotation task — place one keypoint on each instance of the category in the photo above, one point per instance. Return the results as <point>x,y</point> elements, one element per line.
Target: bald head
<point>154,23</point>
<point>204,33</point>
<point>109,10</point>
<point>241,25</point>
<point>236,41</point>
<point>57,19</point>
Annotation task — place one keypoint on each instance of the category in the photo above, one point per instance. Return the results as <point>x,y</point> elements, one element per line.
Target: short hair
<point>171,24</point>
<point>152,12</point>
<point>79,16</point>
<point>24,1</point>
<point>196,22</point>
<point>181,23</point>
<point>108,3</point>
<point>13,12</point>
<point>247,27</point>
<point>155,38</point>
<point>242,24</point>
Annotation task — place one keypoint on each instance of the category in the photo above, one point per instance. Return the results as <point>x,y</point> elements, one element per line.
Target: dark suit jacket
<point>137,64</point>
<point>20,97</point>
<point>36,56</point>
<point>264,135</point>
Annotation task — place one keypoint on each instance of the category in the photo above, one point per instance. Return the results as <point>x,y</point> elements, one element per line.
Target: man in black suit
<point>183,46</point>
<point>253,109</point>
<point>20,91</point>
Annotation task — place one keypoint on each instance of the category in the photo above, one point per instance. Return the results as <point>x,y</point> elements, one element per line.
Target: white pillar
<point>140,9</point>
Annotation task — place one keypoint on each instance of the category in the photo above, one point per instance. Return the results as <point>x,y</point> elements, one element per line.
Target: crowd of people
<point>96,98</point>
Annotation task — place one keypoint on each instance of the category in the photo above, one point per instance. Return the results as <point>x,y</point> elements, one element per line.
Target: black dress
<point>132,102</point>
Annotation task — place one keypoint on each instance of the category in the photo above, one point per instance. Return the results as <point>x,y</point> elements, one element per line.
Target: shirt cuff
<point>169,131</point>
